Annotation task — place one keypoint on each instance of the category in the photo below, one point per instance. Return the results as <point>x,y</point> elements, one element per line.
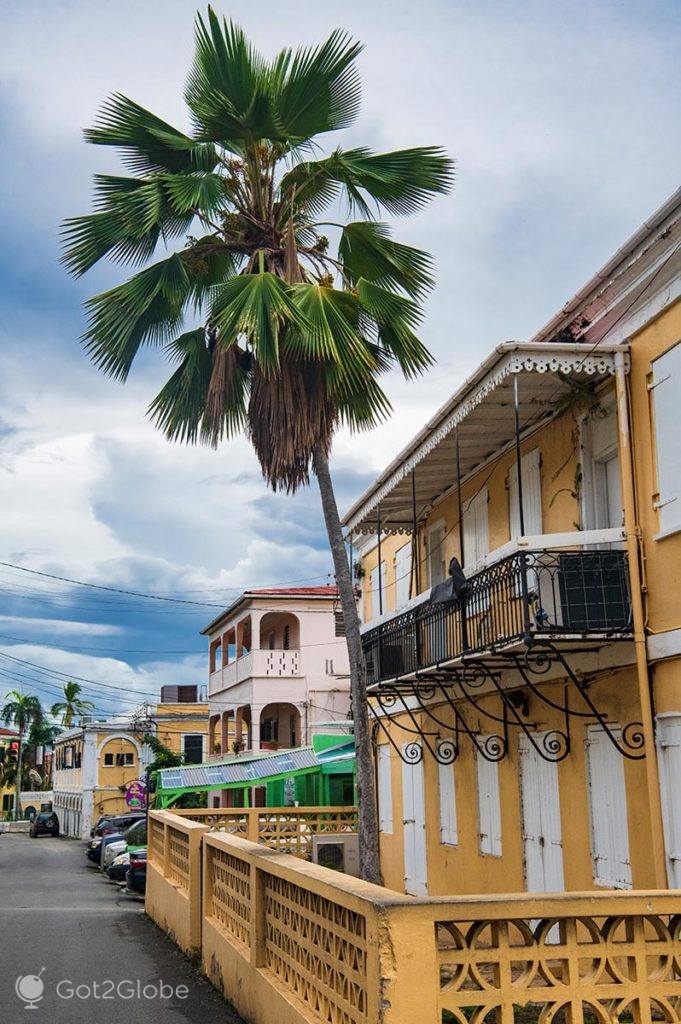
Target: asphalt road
<point>102,960</point>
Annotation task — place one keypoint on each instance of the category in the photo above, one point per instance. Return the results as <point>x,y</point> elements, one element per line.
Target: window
<point>608,810</point>
<point>377,599</point>
<point>435,553</point>
<point>489,804</point>
<point>475,529</point>
<point>8,802</point>
<point>530,467</point>
<point>602,495</point>
<point>287,637</point>
<point>108,760</point>
<point>269,730</point>
<point>669,742</point>
<point>385,789</point>
<point>448,831</point>
<point>339,624</point>
<point>192,746</point>
<point>665,388</point>
<point>120,760</point>
<point>403,561</point>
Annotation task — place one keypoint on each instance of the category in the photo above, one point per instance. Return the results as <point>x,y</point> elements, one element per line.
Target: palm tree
<point>73,706</point>
<point>24,711</point>
<point>290,332</point>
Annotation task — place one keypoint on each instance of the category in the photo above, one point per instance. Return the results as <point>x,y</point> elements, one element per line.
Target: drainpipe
<point>632,540</point>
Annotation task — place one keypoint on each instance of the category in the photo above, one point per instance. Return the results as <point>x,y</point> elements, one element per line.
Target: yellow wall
<point>462,868</point>
<point>170,732</point>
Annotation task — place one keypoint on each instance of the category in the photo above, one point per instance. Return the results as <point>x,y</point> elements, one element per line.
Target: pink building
<point>278,667</point>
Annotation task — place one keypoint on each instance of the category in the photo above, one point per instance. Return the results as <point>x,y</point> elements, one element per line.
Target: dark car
<point>45,824</point>
<point>136,877</point>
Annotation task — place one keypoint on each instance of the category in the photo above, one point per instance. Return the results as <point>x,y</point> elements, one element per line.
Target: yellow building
<point>528,724</point>
<point>95,762</point>
<point>7,793</point>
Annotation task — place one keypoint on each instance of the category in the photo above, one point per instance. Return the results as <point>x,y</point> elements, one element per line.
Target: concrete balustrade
<point>288,941</point>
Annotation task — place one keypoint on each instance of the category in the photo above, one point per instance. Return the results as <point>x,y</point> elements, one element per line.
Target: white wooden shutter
<point>666,390</point>
<point>531,475</point>
<point>489,805</point>
<point>374,584</point>
<point>385,789</point>
<point>447,793</point>
<point>414,826</point>
<point>542,836</point>
<point>608,809</point>
<point>669,744</point>
<point>475,529</point>
<point>402,574</point>
<point>435,538</point>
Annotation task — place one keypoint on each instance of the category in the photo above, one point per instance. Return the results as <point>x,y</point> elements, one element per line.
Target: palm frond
<point>132,216</point>
<point>147,309</point>
<point>316,89</point>
<point>178,407</point>
<point>367,251</point>
<point>227,88</point>
<point>257,306</point>
<point>149,144</point>
<point>395,317</point>
<point>401,182</point>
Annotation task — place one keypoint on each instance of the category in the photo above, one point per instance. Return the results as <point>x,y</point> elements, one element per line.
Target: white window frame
<point>669,758</point>
<point>489,804</point>
<point>530,468</point>
<point>374,592</point>
<point>403,573</point>
<point>385,788</point>
<point>608,811</point>
<point>476,524</point>
<point>434,528</point>
<point>449,835</point>
<point>665,391</point>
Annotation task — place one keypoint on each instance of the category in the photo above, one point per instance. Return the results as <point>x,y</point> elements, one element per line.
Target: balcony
<point>531,595</point>
<point>281,664</point>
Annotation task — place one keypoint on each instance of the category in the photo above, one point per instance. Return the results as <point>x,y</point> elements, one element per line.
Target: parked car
<point>111,845</point>
<point>100,821</point>
<point>46,823</point>
<point>117,871</point>
<point>136,878</point>
<point>106,826</point>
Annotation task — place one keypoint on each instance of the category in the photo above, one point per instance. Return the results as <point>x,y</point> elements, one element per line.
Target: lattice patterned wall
<point>292,832</point>
<point>581,969</point>
<point>317,948</point>
<point>155,841</point>
<point>178,857</point>
<point>230,885</point>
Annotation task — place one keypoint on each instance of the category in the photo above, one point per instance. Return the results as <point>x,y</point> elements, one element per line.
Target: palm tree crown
<point>290,336</point>
<point>73,706</point>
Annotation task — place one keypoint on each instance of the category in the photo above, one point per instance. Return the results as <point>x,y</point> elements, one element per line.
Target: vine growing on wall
<point>580,403</point>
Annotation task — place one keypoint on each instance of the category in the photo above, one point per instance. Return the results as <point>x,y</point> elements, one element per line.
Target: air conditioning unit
<point>338,852</point>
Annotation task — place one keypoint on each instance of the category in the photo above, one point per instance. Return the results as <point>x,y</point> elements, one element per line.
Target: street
<point>100,958</point>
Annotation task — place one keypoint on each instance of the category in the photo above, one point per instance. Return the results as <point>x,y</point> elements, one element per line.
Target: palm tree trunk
<point>17,783</point>
<point>370,866</point>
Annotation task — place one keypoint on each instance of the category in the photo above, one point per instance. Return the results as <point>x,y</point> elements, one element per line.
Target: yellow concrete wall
<point>170,732</point>
<point>462,868</point>
<point>174,903</point>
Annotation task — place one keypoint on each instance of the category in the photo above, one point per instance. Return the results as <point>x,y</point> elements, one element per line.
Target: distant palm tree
<point>291,333</point>
<point>23,710</point>
<point>73,706</point>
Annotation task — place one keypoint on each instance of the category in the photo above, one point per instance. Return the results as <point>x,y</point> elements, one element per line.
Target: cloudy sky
<point>562,118</point>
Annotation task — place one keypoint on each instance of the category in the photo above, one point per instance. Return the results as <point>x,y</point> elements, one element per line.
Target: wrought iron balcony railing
<point>527,595</point>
